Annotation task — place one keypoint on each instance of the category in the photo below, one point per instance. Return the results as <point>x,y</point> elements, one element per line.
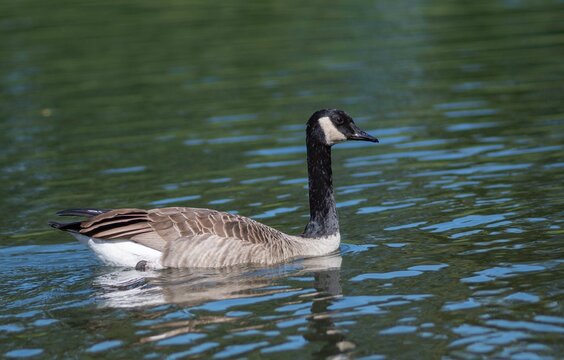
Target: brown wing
<point>131,224</point>
<point>157,227</point>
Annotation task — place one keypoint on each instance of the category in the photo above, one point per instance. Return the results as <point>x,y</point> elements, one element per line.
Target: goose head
<point>332,126</point>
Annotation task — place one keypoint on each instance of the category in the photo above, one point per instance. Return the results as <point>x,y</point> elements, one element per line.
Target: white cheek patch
<point>332,134</point>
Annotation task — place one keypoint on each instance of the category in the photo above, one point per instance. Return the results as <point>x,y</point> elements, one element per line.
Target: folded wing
<point>186,236</point>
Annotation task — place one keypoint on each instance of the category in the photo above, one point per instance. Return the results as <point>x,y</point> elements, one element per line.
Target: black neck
<point>323,220</point>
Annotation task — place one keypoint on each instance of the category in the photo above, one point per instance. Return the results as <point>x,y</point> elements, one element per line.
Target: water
<point>451,226</point>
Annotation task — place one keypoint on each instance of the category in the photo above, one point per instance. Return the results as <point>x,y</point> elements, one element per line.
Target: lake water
<point>452,226</point>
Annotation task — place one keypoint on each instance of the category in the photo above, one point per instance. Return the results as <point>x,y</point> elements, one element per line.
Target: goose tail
<point>75,226</point>
<point>82,212</point>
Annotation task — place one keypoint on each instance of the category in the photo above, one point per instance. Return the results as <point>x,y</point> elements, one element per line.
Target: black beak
<point>361,135</point>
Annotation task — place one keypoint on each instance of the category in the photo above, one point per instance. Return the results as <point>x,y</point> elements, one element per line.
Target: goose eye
<point>339,121</point>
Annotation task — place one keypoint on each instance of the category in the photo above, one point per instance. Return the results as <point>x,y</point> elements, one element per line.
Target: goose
<point>184,237</point>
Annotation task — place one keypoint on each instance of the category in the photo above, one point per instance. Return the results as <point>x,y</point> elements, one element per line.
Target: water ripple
<point>466,221</point>
<point>497,272</point>
<point>451,226</point>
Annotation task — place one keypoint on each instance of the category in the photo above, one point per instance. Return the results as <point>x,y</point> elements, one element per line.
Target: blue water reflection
<point>451,226</point>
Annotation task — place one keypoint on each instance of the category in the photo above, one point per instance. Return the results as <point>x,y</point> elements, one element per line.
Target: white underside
<point>121,252</point>
<point>127,253</point>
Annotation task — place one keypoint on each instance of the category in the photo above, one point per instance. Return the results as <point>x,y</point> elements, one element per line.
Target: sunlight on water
<point>451,226</point>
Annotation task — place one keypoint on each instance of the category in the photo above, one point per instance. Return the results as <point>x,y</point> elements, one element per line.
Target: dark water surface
<point>451,226</point>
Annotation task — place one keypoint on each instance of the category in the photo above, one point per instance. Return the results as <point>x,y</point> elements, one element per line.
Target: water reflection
<point>212,289</point>
<point>453,224</point>
<point>321,325</point>
<point>221,290</point>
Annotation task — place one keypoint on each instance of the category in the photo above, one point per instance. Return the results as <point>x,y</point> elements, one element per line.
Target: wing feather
<point>157,228</point>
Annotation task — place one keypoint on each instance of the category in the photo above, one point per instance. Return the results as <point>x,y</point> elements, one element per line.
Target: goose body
<point>193,237</point>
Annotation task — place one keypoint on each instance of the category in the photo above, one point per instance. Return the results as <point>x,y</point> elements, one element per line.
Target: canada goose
<point>192,237</point>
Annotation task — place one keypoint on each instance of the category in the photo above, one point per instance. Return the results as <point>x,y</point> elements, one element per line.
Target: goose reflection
<point>221,289</point>
<point>321,325</point>
<point>192,287</point>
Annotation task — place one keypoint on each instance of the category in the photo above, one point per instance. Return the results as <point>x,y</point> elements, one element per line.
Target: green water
<point>451,226</point>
